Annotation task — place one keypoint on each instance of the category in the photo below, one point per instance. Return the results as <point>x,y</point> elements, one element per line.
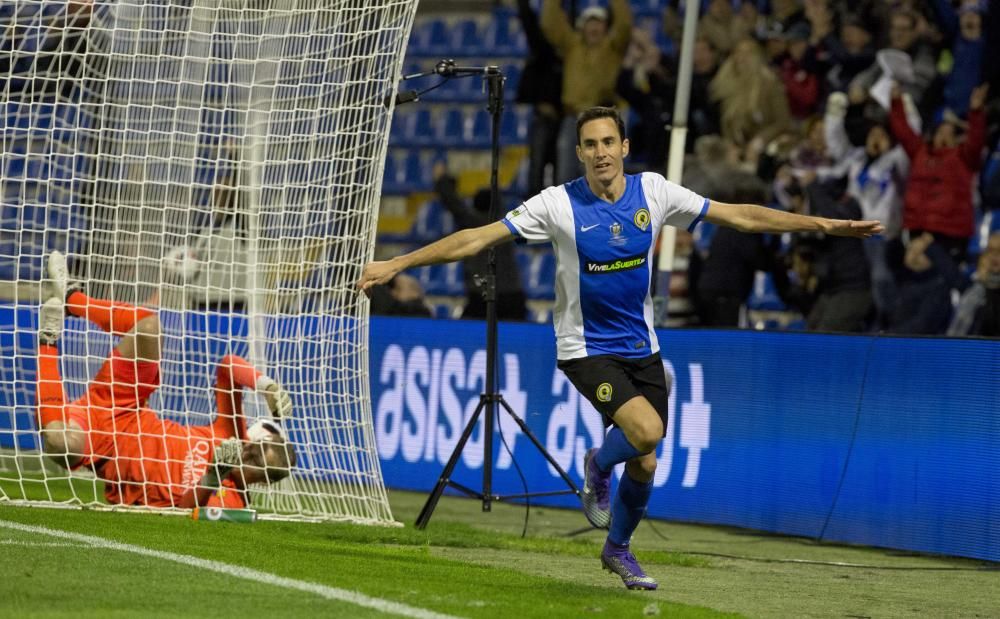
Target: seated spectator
<point>925,276</point>
<point>939,192</point>
<point>978,311</point>
<point>510,297</point>
<point>402,296</point>
<point>592,56</point>
<point>751,98</point>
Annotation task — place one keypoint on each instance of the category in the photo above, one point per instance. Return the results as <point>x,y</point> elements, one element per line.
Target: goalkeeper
<point>145,460</point>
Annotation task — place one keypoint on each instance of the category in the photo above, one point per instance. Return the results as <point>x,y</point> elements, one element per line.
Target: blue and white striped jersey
<point>603,259</point>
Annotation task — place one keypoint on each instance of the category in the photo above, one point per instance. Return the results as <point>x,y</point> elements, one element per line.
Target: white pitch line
<point>237,571</point>
<point>19,542</point>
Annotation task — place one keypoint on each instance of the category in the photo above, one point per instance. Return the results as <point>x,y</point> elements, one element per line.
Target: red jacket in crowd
<point>939,191</point>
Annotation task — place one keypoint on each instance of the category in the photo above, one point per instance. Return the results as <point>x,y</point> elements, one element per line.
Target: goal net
<point>221,162</point>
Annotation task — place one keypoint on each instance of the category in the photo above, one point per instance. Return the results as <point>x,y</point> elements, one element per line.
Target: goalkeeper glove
<point>228,454</point>
<point>278,400</point>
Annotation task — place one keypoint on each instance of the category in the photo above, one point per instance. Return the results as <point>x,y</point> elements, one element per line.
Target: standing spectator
<point>723,278</point>
<point>400,296</point>
<point>905,37</point>
<point>703,112</point>
<point>510,297</point>
<point>846,55</point>
<point>876,175</point>
<point>722,27</point>
<point>833,269</point>
<point>963,31</point>
<point>939,192</point>
<point>751,98</point>
<point>798,74</point>
<point>541,86</point>
<point>978,311</point>
<point>592,57</point>
<point>647,83</point>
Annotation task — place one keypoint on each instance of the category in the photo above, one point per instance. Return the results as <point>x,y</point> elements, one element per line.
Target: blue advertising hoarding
<point>884,441</point>
<point>890,442</point>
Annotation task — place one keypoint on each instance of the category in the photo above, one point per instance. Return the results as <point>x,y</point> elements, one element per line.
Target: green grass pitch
<point>467,563</point>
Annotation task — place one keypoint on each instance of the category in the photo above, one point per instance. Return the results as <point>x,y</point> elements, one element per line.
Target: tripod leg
<point>445,478</point>
<point>538,445</point>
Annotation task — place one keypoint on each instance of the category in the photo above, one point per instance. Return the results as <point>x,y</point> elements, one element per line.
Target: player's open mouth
<point>601,166</point>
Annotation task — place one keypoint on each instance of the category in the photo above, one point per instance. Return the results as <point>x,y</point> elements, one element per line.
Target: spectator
<point>964,36</point>
<point>510,297</point>
<point>905,37</point>
<point>834,273</point>
<point>592,57</point>
<point>847,55</point>
<point>751,98</point>
<point>402,296</point>
<point>647,83</point>
<point>722,27</point>
<point>723,278</point>
<point>925,276</point>
<point>540,86</point>
<point>939,192</point>
<point>876,174</point>
<point>798,73</point>
<point>978,311</point>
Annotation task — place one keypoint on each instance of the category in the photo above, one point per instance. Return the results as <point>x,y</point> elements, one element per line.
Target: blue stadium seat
<point>442,280</point>
<point>513,74</point>
<point>538,274</point>
<point>764,295</point>
<point>422,128</point>
<point>431,223</point>
<point>467,40</point>
<point>401,127</point>
<point>451,129</point>
<point>390,175</point>
<point>515,125</point>
<point>479,131</point>
<point>431,38</point>
<point>503,35</point>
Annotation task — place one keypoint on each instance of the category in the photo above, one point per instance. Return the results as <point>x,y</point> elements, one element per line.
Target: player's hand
<point>228,454</point>
<point>374,274</point>
<point>857,229</point>
<point>279,402</point>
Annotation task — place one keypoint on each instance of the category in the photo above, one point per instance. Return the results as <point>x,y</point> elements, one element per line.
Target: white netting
<point>220,160</point>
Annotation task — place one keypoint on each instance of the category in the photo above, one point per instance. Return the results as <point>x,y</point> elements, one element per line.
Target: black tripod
<point>490,401</point>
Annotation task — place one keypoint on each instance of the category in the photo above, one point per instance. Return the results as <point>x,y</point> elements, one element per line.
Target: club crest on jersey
<point>604,392</point>
<point>616,235</point>
<point>641,219</point>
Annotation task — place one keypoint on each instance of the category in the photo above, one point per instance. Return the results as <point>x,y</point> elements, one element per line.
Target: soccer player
<point>604,228</point>
<point>145,460</point>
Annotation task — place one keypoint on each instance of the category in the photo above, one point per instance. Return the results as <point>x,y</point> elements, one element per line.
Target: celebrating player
<point>145,460</point>
<point>604,228</point>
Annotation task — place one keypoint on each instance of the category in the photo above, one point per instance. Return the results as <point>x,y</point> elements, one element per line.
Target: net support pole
<point>675,160</point>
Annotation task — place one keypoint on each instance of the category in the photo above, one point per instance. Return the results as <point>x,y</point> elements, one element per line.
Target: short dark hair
<point>599,112</point>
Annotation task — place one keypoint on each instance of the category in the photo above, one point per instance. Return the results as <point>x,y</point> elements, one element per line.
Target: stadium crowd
<point>880,109</point>
<point>875,109</point>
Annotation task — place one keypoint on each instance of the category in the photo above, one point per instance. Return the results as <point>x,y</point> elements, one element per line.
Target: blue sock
<point>615,450</point>
<point>627,508</point>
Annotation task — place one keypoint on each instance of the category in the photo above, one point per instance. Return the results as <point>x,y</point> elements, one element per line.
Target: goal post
<point>220,161</point>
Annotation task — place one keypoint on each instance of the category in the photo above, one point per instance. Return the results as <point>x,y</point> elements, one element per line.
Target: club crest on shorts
<point>641,219</point>
<point>604,392</point>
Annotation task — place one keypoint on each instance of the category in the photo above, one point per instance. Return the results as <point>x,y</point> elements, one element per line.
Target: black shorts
<point>609,381</point>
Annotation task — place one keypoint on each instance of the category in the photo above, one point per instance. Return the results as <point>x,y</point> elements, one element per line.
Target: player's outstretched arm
<point>457,246</point>
<point>753,218</point>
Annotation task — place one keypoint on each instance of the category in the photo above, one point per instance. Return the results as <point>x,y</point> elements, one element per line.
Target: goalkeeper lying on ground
<point>145,460</point>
